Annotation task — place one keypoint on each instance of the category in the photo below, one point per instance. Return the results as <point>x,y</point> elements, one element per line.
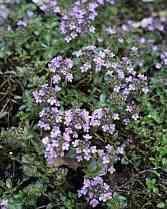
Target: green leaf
<point>3,114</point>
<point>161,205</point>
<point>94,168</point>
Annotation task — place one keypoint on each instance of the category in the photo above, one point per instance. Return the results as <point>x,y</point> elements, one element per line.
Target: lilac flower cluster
<point>71,130</point>
<point>61,69</point>
<point>142,44</point>
<point>71,133</point>
<point>5,7</point>
<point>120,74</point>
<point>4,12</point>
<point>152,23</point>
<point>3,204</point>
<point>78,19</point>
<point>95,190</point>
<point>50,6</point>
<point>163,60</point>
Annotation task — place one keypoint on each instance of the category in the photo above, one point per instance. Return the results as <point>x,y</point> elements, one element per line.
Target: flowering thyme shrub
<point>71,133</point>
<point>88,107</point>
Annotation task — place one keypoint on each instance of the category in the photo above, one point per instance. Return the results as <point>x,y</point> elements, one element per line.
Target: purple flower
<point>94,203</point>
<point>3,204</point>
<point>61,69</point>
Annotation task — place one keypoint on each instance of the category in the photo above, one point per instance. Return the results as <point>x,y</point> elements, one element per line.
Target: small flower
<point>95,190</point>
<point>115,116</point>
<point>45,140</point>
<point>94,203</point>
<point>3,204</point>
<point>135,116</point>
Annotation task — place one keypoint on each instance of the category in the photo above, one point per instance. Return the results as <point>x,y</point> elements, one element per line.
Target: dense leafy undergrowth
<point>100,66</point>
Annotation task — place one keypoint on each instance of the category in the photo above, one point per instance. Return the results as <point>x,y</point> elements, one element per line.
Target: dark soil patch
<point>10,97</point>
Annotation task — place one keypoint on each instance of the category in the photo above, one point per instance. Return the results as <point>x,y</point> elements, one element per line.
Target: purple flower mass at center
<point>72,131</point>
